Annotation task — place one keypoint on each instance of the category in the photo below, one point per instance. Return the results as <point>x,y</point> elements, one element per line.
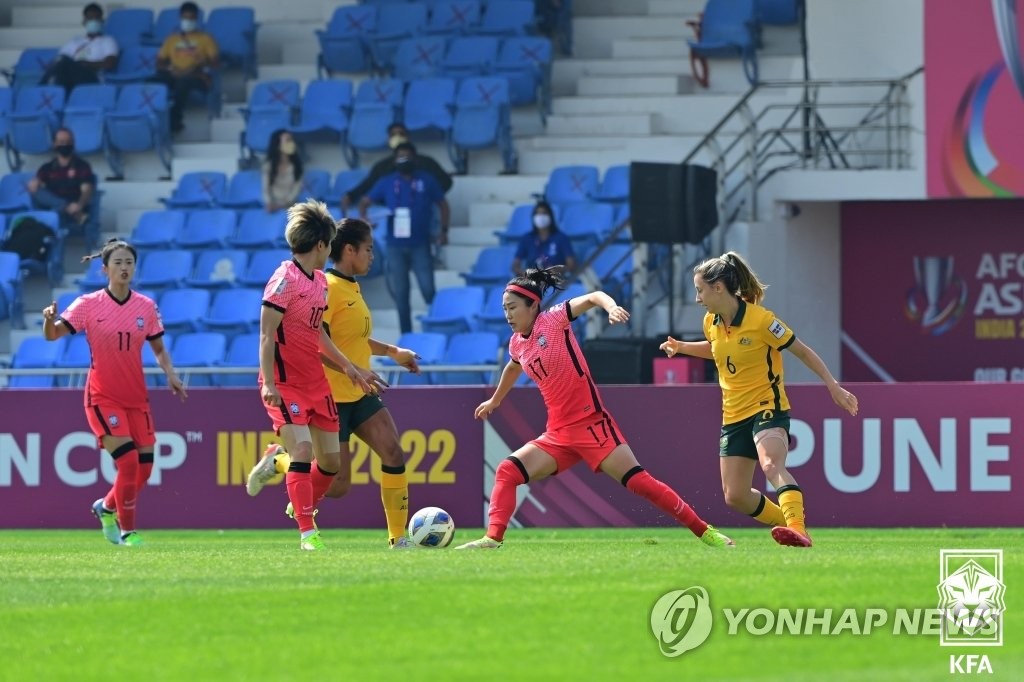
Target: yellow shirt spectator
<point>188,52</point>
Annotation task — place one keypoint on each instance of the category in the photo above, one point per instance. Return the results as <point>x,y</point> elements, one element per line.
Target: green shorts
<point>738,437</point>
<point>352,415</point>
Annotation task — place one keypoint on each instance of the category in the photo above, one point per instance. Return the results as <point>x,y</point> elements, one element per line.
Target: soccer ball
<point>431,527</point>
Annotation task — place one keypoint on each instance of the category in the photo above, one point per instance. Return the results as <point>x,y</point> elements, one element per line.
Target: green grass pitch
<point>550,605</point>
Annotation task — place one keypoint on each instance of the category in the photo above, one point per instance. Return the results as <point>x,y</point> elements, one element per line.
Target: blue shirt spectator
<point>416,192</point>
<point>545,245</point>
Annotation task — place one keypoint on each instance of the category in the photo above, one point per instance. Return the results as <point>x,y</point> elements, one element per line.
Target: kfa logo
<point>681,620</point>
<point>972,599</point>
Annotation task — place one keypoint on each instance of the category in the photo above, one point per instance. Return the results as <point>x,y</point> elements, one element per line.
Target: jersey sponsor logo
<point>777,329</point>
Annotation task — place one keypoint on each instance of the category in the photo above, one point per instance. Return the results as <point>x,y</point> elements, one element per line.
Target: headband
<point>524,291</point>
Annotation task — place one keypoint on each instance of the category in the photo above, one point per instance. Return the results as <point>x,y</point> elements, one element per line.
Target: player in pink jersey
<point>578,426</point>
<point>293,344</point>
<point>117,321</point>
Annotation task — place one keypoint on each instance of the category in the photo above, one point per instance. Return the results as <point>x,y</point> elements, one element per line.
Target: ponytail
<point>735,274</point>
<point>537,281</point>
<point>110,247</point>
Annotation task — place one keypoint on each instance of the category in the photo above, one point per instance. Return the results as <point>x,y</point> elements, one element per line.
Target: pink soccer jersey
<point>303,299</point>
<point>116,331</point>
<point>552,358</point>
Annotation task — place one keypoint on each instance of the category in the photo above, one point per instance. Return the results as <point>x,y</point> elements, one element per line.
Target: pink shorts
<point>296,408</point>
<point>123,422</point>
<point>590,441</point>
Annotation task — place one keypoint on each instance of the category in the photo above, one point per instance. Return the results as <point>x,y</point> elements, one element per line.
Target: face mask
<point>65,149</point>
<point>396,140</point>
<point>288,148</point>
<point>404,165</point>
<point>542,221</point>
<point>94,26</point>
<point>188,25</point>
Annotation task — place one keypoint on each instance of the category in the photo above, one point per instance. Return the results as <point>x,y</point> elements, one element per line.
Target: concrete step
<point>489,213</point>
<point>565,72</point>
<point>611,124</point>
<point>36,16</point>
<point>477,236</point>
<point>461,257</point>
<point>225,164</point>
<point>276,37</point>
<point>675,7</point>
<point>628,86</point>
<point>606,8</point>
<point>615,151</point>
<point>38,36</point>
<point>681,114</point>
<point>300,71</point>
<point>571,144</point>
<point>594,36</point>
<point>205,150</point>
<point>674,47</point>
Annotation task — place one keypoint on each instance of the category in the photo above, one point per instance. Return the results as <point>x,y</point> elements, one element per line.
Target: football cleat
<point>312,542</point>
<point>263,471</point>
<point>789,537</point>
<point>108,522</point>
<point>403,543</point>
<point>713,537</point>
<point>483,543</point>
<point>131,539</point>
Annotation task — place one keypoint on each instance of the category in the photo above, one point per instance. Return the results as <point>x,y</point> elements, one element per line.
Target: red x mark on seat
<point>149,96</point>
<point>382,93</point>
<point>425,56</point>
<point>147,61</point>
<point>486,94</point>
<point>207,185</point>
<point>356,24</point>
<point>46,101</point>
<point>278,95</point>
<point>530,54</point>
<point>459,15</point>
<point>577,183</point>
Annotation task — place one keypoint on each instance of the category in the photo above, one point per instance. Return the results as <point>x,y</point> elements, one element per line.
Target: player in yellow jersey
<point>746,342</point>
<point>350,326</point>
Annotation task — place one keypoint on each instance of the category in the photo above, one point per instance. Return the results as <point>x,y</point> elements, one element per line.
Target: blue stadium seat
<point>474,348</point>
<point>453,17</point>
<point>53,265</point>
<point>482,120</point>
<point>31,66</point>
<point>6,104</point>
<point>32,122</point>
<point>262,265</point>
<point>11,277</point>
<point>429,103</point>
<point>779,12</point>
<point>614,268</point>
<point>579,326</point>
<point>493,267</point>
<point>396,21</point>
<point>14,194</point>
<point>508,18</point>
<point>86,112</point>
<point>235,311</point>
<point>244,351</point>
<point>571,184</point>
<point>157,229</point>
<point>129,26</point>
<point>587,224</point>
<point>343,45</point>
<point>244,191</point>
<point>430,346</point>
<point>526,63</point>
<point>164,269</point>
<point>76,355</point>
<point>454,310</point>
<point>149,360</point>
<point>316,184</point>
<point>235,29</point>
<point>202,349</point>
<point>492,317</point>
<point>35,352</point>
<point>165,23</point>
<point>728,28</point>
<point>470,56</point>
<point>139,123</point>
<point>272,106</point>
<point>181,309</point>
<point>207,228</point>
<point>259,229</point>
<point>343,182</point>
<point>136,64</point>
<point>219,268</point>
<point>376,107</point>
<point>325,109</point>
<point>520,222</point>
<point>93,278</point>
<point>614,184</point>
<point>419,57</point>
<point>198,189</point>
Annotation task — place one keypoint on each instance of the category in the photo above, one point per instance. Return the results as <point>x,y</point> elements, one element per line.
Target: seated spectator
<point>185,62</point>
<point>83,57</point>
<point>397,134</point>
<point>65,184</point>
<point>546,245</point>
<point>282,172</point>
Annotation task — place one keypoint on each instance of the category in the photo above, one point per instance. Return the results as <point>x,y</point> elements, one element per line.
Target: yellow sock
<point>769,513</point>
<point>394,493</point>
<point>791,499</point>
<point>281,463</point>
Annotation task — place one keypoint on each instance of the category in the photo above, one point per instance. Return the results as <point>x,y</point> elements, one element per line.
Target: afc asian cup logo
<point>971,597</point>
<point>681,620</point>
<point>939,296</point>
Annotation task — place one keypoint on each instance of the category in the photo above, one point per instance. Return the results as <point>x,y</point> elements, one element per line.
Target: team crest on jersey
<point>139,322</point>
<point>542,341</point>
<point>114,421</point>
<point>744,341</point>
<point>777,329</point>
<point>294,407</point>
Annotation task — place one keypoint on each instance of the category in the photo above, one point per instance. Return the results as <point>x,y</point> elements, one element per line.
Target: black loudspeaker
<point>671,203</point>
<point>621,361</point>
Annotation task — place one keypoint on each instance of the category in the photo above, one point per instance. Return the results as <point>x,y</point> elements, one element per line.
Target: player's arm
<point>163,358</point>
<point>509,376</point>
<point>365,379</point>
<point>402,356</point>
<point>840,395</point>
<point>599,299</point>
<point>270,320</point>
<point>699,349</point>
<point>53,326</point>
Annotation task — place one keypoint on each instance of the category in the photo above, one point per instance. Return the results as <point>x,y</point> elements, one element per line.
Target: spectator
<point>397,134</point>
<point>411,194</point>
<point>185,62</point>
<point>83,57</point>
<point>545,245</point>
<point>65,184</point>
<point>282,172</point>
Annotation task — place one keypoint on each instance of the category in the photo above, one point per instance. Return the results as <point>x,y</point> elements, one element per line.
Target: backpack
<point>30,239</point>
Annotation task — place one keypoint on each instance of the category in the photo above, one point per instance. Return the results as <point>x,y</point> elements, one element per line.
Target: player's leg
<point>528,463</point>
<point>126,483</point>
<point>103,423</point>
<point>144,436</point>
<point>772,448</point>
<point>621,464</point>
<point>328,458</point>
<point>275,460</point>
<point>299,443</point>
<point>378,430</point>
<point>737,460</point>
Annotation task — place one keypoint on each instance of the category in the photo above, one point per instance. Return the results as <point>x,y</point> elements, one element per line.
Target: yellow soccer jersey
<point>349,325</point>
<point>748,355</point>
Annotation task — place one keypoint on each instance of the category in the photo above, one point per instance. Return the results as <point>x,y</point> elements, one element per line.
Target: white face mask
<point>542,221</point>
<point>287,147</point>
<point>94,26</point>
<point>188,25</point>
